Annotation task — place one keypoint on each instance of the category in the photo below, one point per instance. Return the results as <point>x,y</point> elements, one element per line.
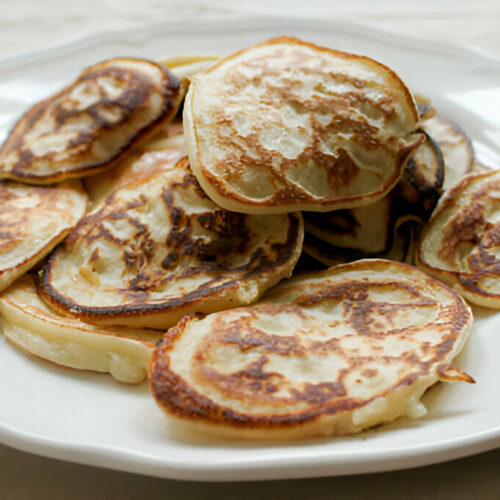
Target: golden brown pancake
<point>400,247</point>
<point>286,125</point>
<point>159,153</point>
<point>461,243</point>
<point>363,228</point>
<point>159,248</point>
<point>91,123</point>
<point>33,327</point>
<point>425,108</point>
<point>455,147</point>
<point>33,220</point>
<point>326,353</point>
<point>421,185</point>
<point>188,66</point>
<point>369,229</point>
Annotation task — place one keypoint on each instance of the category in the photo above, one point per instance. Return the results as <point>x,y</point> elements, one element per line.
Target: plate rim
<point>124,459</point>
<point>248,23</point>
<point>317,466</point>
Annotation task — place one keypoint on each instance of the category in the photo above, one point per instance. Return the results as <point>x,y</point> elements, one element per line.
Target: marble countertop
<point>27,25</point>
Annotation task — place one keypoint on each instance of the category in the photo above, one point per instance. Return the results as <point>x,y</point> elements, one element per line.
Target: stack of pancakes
<point>288,156</point>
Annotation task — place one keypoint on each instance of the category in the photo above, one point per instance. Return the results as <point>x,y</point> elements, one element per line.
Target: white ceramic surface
<point>89,418</point>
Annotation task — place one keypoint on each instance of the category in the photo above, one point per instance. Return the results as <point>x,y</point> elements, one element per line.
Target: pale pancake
<point>424,105</point>
<point>159,153</point>
<point>30,325</point>
<point>400,247</point>
<point>33,220</point>
<point>91,123</point>
<point>455,147</point>
<point>322,354</point>
<point>286,125</point>
<point>369,228</point>
<point>188,66</point>
<point>461,243</point>
<point>159,248</point>
<point>363,228</point>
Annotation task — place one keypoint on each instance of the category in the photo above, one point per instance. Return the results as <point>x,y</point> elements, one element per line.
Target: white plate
<point>91,419</point>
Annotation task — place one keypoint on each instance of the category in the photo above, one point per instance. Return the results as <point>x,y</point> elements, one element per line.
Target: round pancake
<point>286,125</point>
<point>159,248</point>
<point>424,105</point>
<point>401,247</point>
<point>421,185</point>
<point>33,220</point>
<point>461,243</point>
<point>92,122</point>
<point>363,228</point>
<point>30,325</point>
<point>455,147</point>
<point>369,228</point>
<point>160,152</point>
<point>322,354</point>
<point>188,66</point>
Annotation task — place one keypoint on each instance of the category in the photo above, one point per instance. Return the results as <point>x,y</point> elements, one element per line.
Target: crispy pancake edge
<point>9,275</point>
<point>193,411</point>
<point>163,315</point>
<point>229,199</point>
<point>461,282</point>
<point>170,107</point>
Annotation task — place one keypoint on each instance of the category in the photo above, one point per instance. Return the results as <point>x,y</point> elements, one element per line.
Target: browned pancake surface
<point>286,125</point>
<point>91,122</point>
<point>159,248</point>
<point>324,353</point>
<point>461,244</point>
<point>33,220</point>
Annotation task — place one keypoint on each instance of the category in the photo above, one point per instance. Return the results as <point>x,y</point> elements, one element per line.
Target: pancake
<point>400,247</point>
<point>425,108</point>
<point>421,185</point>
<point>33,220</point>
<point>158,248</point>
<point>286,125</point>
<point>91,123</point>
<point>34,328</point>
<point>322,354</point>
<point>369,228</point>
<point>159,153</point>
<point>455,147</point>
<point>461,243</point>
<point>364,228</point>
<point>188,66</point>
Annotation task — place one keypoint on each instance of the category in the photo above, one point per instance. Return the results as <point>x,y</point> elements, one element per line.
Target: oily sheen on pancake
<point>322,354</point>
<point>33,220</point>
<point>29,324</point>
<point>159,248</point>
<point>461,243</point>
<point>286,125</point>
<point>92,122</point>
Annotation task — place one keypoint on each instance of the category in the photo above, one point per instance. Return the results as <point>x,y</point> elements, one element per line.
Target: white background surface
<point>31,25</point>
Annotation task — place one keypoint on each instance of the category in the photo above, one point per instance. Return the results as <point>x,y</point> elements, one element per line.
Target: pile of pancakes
<point>175,196</point>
